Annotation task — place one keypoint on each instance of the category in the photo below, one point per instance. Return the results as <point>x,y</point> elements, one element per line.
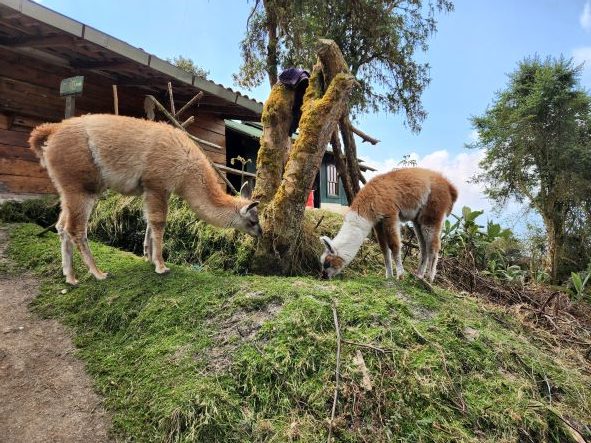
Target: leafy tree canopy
<point>188,65</point>
<point>537,135</point>
<point>537,139</point>
<point>378,38</point>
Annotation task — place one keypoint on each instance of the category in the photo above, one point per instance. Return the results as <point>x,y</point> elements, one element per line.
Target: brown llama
<point>86,155</point>
<point>419,195</point>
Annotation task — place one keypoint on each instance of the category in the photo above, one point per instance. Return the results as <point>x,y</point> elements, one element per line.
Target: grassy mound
<point>119,221</point>
<point>201,356</point>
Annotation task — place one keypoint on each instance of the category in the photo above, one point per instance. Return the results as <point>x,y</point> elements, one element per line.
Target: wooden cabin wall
<point>29,95</point>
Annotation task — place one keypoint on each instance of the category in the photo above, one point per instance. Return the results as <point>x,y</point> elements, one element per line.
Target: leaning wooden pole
<point>334,63</point>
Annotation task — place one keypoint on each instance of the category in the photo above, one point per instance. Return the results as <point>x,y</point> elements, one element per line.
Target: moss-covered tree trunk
<point>282,212</point>
<point>275,142</point>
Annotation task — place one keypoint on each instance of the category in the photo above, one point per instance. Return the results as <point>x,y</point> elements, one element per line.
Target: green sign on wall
<point>72,85</point>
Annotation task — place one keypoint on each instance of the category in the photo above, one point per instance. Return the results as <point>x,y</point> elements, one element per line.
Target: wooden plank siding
<point>29,95</point>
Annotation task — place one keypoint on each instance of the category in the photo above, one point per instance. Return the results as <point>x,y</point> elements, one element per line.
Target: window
<point>332,180</point>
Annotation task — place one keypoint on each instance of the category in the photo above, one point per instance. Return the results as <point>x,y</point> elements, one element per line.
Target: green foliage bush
<point>43,211</point>
<point>490,249</point>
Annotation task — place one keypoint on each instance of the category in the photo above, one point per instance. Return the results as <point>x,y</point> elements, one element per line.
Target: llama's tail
<point>39,136</point>
<point>453,192</point>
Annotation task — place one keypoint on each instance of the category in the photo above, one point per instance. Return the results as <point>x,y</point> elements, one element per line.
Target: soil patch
<point>46,395</point>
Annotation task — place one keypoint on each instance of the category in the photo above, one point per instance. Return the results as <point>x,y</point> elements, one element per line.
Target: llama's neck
<point>351,235</point>
<point>211,203</point>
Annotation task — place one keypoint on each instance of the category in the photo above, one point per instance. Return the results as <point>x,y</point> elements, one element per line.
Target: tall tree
<point>537,139</point>
<point>285,173</point>
<point>379,40</point>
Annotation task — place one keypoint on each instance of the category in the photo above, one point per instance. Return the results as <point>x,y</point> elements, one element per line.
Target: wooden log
<point>22,167</point>
<point>20,152</point>
<point>21,184</point>
<point>6,120</point>
<point>14,138</point>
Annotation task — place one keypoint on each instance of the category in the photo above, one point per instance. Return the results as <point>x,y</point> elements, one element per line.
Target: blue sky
<point>475,47</point>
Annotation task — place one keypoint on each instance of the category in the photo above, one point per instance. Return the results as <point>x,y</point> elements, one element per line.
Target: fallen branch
<point>364,136</point>
<point>46,230</point>
<point>337,370</point>
<point>318,224</point>
<point>367,345</point>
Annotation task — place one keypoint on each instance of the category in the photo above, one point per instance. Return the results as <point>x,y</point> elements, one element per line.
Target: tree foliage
<point>379,40</point>
<point>188,65</point>
<point>537,137</point>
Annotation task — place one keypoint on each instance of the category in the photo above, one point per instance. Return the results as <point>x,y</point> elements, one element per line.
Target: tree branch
<point>364,136</point>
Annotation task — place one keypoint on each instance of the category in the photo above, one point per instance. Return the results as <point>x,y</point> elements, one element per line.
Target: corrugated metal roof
<point>79,30</point>
<point>245,129</point>
<point>254,130</point>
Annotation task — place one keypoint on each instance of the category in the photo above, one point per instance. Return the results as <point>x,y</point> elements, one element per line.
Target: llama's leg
<point>156,204</point>
<point>392,228</point>
<point>80,206</point>
<point>435,247</point>
<point>67,249</point>
<point>431,233</point>
<point>383,242</point>
<point>148,243</point>
<point>422,248</point>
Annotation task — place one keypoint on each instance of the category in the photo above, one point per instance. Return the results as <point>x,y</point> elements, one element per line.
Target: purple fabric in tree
<point>293,76</point>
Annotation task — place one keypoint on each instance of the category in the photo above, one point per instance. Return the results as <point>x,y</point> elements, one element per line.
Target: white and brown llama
<point>412,194</point>
<point>86,155</point>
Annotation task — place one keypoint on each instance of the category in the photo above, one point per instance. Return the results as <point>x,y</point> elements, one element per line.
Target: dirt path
<point>45,394</point>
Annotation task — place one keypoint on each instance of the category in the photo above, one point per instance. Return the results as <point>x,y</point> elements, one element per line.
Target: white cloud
<point>582,55</point>
<point>585,18</point>
<point>460,169</point>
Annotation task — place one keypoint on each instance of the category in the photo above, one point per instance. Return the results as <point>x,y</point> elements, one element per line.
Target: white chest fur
<point>349,239</point>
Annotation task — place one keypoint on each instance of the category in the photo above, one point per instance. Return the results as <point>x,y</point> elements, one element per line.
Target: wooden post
<point>115,100</point>
<point>70,106</point>
<point>70,88</point>
<point>172,110</point>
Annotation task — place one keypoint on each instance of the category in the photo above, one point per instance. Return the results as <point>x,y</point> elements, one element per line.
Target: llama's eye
<point>326,265</point>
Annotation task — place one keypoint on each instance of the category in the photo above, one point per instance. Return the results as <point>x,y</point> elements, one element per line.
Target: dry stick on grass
<point>337,370</point>
<point>46,229</point>
<point>319,221</point>
<point>366,345</point>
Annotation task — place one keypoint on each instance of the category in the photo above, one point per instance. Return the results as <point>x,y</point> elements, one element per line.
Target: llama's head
<point>330,260</point>
<point>249,220</point>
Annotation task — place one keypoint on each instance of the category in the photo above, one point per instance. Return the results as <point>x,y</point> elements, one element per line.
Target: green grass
<point>182,358</point>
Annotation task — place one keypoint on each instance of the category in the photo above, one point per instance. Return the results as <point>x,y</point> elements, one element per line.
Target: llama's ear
<point>328,245</point>
<point>248,207</point>
<point>246,190</point>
